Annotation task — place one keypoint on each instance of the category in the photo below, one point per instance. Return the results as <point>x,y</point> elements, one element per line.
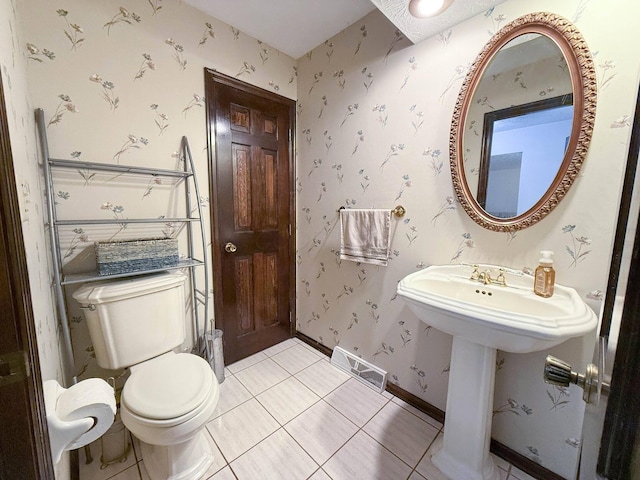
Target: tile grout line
<point>282,426</point>
<point>135,454</point>
<point>296,416</point>
<point>429,445</point>
<point>361,429</point>
<point>270,435</point>
<point>323,398</point>
<point>227,464</point>
<point>427,451</point>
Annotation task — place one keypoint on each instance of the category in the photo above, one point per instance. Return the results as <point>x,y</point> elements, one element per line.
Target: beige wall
<point>374,132</point>
<point>26,163</point>
<point>123,84</point>
<point>96,69</point>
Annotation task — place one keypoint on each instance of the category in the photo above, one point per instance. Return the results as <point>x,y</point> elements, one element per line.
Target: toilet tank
<point>135,319</point>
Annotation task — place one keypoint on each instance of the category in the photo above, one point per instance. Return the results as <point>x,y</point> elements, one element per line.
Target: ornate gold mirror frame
<point>583,81</point>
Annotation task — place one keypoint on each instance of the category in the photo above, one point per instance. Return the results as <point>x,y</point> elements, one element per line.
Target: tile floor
<point>287,413</point>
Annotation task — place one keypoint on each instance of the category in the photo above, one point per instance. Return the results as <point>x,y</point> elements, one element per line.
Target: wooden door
<point>611,430</point>
<point>24,440</point>
<point>250,131</point>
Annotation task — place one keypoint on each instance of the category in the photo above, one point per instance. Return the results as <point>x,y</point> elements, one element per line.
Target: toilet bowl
<point>169,397</point>
<point>165,403</point>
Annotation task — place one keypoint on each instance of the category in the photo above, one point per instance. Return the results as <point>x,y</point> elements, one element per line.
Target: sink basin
<point>510,318</point>
<point>484,318</point>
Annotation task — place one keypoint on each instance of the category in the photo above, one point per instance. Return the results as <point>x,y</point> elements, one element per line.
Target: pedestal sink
<point>483,318</point>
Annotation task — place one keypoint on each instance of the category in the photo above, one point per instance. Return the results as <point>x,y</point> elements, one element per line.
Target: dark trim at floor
<point>514,458</point>
<point>317,345</point>
<point>414,400</point>
<point>523,463</point>
<point>75,465</point>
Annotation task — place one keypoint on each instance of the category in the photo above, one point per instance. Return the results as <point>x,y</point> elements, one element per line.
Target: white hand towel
<point>365,235</point>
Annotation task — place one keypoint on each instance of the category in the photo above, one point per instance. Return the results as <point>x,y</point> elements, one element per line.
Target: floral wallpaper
<point>26,163</point>
<point>122,82</point>
<point>374,116</point>
<point>22,131</point>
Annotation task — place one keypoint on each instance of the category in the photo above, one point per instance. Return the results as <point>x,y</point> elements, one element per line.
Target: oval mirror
<point>523,122</point>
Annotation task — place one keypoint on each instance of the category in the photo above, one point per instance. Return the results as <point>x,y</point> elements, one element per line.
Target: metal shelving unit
<point>200,296</point>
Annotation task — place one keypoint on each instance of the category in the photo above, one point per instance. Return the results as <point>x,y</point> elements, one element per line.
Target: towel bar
<point>399,211</point>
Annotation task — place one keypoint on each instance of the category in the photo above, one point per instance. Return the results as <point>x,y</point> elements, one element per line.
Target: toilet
<point>169,397</point>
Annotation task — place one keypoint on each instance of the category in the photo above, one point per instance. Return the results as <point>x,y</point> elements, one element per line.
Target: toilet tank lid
<point>114,290</point>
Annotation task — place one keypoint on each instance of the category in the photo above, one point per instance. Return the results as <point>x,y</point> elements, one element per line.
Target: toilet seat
<point>168,387</point>
<point>171,431</point>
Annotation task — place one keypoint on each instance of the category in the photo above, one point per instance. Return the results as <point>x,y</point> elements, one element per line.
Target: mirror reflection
<point>518,126</point>
<point>523,149</point>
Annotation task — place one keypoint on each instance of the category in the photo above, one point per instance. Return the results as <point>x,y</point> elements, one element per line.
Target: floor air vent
<point>367,373</point>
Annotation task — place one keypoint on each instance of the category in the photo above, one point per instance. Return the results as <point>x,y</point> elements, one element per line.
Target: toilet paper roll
<point>92,398</point>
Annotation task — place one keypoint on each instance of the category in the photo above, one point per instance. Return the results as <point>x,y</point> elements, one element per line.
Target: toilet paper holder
<point>78,415</point>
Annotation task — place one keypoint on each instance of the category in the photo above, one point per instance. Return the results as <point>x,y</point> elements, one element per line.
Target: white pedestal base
<point>184,461</point>
<point>467,428</point>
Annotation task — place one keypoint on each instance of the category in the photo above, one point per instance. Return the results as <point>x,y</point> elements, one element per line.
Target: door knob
<point>558,372</point>
<point>230,247</point>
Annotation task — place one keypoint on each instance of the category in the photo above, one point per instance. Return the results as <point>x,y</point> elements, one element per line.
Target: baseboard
<point>514,458</point>
<point>523,463</point>
<point>317,345</point>
<point>414,400</point>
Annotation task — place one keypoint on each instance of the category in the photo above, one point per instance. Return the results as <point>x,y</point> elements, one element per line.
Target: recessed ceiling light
<point>428,8</point>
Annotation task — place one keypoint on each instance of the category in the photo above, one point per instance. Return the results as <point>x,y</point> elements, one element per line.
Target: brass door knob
<point>230,248</point>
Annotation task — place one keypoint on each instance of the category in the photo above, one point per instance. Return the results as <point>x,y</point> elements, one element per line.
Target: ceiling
<point>297,26</point>
<point>418,29</point>
<point>292,26</point>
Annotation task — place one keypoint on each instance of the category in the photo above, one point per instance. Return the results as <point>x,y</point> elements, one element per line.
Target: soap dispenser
<point>545,275</point>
